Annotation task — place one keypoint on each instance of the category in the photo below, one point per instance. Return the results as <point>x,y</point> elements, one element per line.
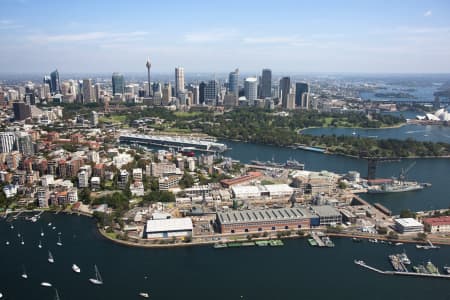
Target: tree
<point>342,185</point>
<point>186,181</point>
<point>392,235</point>
<point>406,213</point>
<point>85,196</point>
<point>421,236</point>
<point>382,230</point>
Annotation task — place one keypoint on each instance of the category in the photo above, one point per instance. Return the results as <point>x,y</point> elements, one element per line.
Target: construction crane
<point>404,172</point>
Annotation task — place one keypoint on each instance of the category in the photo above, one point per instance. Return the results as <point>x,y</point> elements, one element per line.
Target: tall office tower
<point>211,92</point>
<point>233,82</point>
<point>285,86</point>
<point>55,87</point>
<point>149,65</point>
<point>251,88</point>
<point>291,101</point>
<point>195,94</point>
<point>179,80</point>
<point>266,83</point>
<point>201,92</point>
<point>7,140</point>
<point>302,95</point>
<point>21,111</point>
<point>166,94</point>
<point>97,91</point>
<point>24,144</point>
<point>47,82</point>
<point>88,94</point>
<point>156,88</point>
<point>118,84</point>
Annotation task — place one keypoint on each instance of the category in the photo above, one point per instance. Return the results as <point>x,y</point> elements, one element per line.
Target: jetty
<point>414,274</point>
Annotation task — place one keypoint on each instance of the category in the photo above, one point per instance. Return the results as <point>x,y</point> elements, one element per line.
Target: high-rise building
<point>21,110</point>
<point>211,91</point>
<point>7,141</point>
<point>194,89</point>
<point>97,91</point>
<point>266,83</point>
<point>24,144</point>
<point>118,84</point>
<point>88,93</point>
<point>166,94</point>
<point>301,95</point>
<point>201,92</point>
<point>285,87</point>
<point>251,88</point>
<point>55,87</point>
<point>179,80</point>
<point>233,82</point>
<point>149,65</point>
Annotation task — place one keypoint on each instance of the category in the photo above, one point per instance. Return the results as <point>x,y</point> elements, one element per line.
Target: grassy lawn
<point>113,119</point>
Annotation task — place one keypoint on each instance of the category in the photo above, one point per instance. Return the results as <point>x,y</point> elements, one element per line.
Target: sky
<point>294,36</point>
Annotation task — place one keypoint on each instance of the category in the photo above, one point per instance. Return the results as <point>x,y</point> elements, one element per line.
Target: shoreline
<point>293,236</point>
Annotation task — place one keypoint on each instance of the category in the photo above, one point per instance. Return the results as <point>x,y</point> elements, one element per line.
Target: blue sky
<point>216,36</point>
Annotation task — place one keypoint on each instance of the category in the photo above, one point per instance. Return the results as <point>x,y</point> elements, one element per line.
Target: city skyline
<point>350,37</point>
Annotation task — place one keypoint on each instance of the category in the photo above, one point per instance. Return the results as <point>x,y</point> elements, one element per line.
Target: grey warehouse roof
<point>261,215</point>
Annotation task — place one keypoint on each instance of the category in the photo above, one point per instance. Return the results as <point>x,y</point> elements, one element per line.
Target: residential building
<point>7,141</point>
<point>168,182</point>
<point>179,81</point>
<point>437,224</point>
<point>251,88</point>
<point>83,179</point>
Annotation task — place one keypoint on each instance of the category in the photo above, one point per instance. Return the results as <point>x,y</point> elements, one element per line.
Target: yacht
<point>50,257</point>
<point>24,274</point>
<point>49,224</point>
<point>12,226</point>
<point>46,284</point>
<point>59,243</point>
<point>76,269</point>
<point>21,241</point>
<point>40,244</point>
<point>144,295</point>
<point>53,227</point>
<point>42,232</point>
<point>98,279</point>
<point>7,243</point>
<point>1,296</point>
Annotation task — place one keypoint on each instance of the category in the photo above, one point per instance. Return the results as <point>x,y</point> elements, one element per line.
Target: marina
<point>406,273</point>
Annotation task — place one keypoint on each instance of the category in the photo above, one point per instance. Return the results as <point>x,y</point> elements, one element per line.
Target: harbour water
<point>295,271</point>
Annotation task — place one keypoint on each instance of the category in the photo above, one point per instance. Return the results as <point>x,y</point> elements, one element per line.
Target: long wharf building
<point>263,220</point>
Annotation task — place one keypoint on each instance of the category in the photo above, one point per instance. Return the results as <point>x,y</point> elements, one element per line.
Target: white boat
<point>1,296</point>
<point>21,241</point>
<point>76,269</point>
<point>42,232</point>
<point>12,226</point>
<point>50,257</point>
<point>398,244</point>
<point>33,219</point>
<point>7,243</point>
<point>59,243</point>
<point>49,224</point>
<point>53,227</point>
<point>18,235</point>
<point>40,244</point>
<point>98,279</point>
<point>47,284</point>
<point>144,295</point>
<point>24,274</point>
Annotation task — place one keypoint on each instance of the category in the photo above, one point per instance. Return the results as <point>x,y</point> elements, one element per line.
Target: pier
<point>364,265</point>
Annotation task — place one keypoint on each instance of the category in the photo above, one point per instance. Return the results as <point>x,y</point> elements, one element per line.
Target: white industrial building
<point>165,228</point>
<point>405,225</point>
<point>258,191</point>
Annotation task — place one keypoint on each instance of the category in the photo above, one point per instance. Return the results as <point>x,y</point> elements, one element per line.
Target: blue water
<point>295,271</point>
<point>421,94</point>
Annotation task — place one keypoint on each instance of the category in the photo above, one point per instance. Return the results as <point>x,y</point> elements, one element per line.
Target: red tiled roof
<point>437,221</point>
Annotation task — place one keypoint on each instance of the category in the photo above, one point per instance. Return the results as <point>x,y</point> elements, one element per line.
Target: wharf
<point>364,265</point>
<point>317,239</point>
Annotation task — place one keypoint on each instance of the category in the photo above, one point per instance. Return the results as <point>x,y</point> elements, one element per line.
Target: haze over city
<point>288,36</point>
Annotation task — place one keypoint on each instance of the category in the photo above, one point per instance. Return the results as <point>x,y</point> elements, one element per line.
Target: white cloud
<point>215,35</point>
<point>88,36</point>
<point>428,13</point>
<point>8,24</point>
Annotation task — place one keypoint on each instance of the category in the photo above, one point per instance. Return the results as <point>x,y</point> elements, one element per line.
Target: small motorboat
<point>46,284</point>
<point>76,269</point>
<point>144,295</point>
